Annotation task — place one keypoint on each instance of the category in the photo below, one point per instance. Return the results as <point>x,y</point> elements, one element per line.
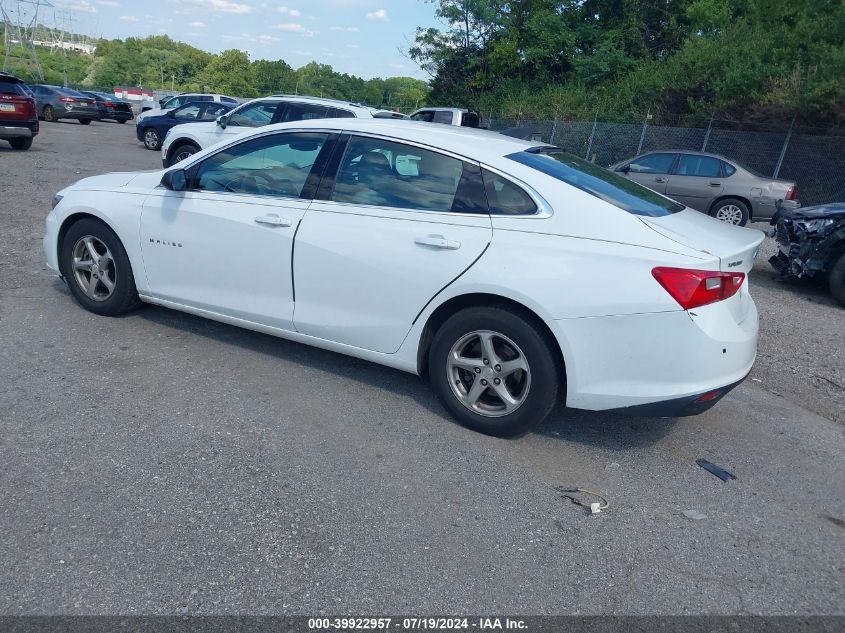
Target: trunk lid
<point>735,246</point>
<point>16,108</point>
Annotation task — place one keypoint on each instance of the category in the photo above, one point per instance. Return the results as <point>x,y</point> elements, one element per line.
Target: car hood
<point>834,210</point>
<point>153,112</point>
<point>119,180</point>
<point>735,246</point>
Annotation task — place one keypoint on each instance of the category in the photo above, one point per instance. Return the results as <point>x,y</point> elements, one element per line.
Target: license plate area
<point>7,107</point>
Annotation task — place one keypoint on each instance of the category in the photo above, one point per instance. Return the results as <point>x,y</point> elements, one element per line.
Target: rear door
<point>652,170</point>
<point>696,181</point>
<point>392,224</point>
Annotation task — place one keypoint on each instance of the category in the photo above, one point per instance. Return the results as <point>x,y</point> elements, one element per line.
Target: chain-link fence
<point>815,162</point>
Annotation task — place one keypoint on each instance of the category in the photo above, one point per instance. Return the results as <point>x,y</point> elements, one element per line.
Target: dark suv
<point>18,113</point>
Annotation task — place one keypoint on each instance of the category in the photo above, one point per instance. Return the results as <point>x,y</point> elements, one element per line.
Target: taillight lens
<point>108,104</point>
<point>693,288</point>
<point>792,194</point>
<point>67,99</point>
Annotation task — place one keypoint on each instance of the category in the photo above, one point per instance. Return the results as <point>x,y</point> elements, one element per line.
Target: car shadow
<point>599,429</point>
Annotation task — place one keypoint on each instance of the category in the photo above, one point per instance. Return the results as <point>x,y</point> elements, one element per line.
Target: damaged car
<point>811,243</point>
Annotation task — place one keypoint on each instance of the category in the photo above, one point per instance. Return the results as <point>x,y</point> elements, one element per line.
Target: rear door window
<point>702,166</point>
<point>303,112</point>
<point>506,198</point>
<point>425,115</point>
<point>470,119</point>
<point>597,181</point>
<point>442,116</point>
<point>652,164</point>
<point>339,113</point>
<point>384,173</point>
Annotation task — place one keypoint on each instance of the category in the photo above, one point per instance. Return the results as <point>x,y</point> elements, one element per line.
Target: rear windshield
<point>11,87</point>
<point>597,181</point>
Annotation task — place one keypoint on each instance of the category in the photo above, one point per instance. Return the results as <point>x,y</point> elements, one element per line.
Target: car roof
<point>439,109</point>
<point>321,100</point>
<point>687,151</point>
<point>10,77</point>
<point>450,138</point>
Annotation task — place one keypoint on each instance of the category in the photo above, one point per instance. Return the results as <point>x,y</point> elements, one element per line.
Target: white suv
<point>152,108</point>
<point>189,138</point>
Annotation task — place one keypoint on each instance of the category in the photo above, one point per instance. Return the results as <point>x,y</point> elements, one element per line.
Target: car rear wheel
<point>152,140</point>
<point>121,120</point>
<point>731,211</point>
<point>494,370</point>
<point>21,143</point>
<point>84,121</point>
<point>97,269</point>
<point>836,279</point>
<point>49,113</point>
<point>181,152</point>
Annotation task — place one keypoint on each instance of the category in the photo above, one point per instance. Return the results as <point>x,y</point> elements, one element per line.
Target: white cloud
<point>108,3</point>
<point>352,46</point>
<point>246,38</point>
<point>294,13</point>
<point>351,29</point>
<point>222,6</point>
<point>380,14</point>
<point>302,53</point>
<point>83,6</point>
<point>197,25</point>
<point>267,39</point>
<point>128,18</point>
<point>293,27</point>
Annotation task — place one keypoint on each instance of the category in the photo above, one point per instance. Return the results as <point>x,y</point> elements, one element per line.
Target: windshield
<point>597,181</point>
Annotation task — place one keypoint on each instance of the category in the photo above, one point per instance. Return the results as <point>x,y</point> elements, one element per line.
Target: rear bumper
<point>658,363</point>
<point>680,407</point>
<point>76,113</point>
<point>18,130</point>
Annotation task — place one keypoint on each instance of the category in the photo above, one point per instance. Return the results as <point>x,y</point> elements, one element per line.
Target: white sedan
<point>508,273</point>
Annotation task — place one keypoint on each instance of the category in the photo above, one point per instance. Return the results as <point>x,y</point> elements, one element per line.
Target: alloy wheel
<point>182,155</point>
<point>729,213</point>
<point>488,373</point>
<point>151,138</point>
<point>94,268</point>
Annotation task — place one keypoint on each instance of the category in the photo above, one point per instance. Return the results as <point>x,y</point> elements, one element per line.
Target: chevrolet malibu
<point>509,274</point>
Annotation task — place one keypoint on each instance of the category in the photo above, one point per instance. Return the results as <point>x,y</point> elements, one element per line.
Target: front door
<point>652,170</point>
<point>399,224</point>
<point>225,244</point>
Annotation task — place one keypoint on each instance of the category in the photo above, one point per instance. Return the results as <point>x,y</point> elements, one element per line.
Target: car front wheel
<point>181,152</point>
<point>152,140</point>
<point>49,114</point>
<point>97,268</point>
<point>836,279</point>
<point>731,211</point>
<point>494,370</point>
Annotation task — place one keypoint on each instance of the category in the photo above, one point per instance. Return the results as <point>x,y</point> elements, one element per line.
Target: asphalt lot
<point>160,463</point>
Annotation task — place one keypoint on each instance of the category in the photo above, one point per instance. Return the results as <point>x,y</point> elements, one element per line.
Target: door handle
<point>659,179</point>
<point>437,241</point>
<point>715,184</point>
<point>272,220</point>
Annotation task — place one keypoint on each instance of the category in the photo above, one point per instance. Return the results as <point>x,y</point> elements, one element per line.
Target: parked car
<point>811,244</point>
<point>110,107</point>
<point>506,272</point>
<point>379,113</point>
<point>152,129</point>
<point>152,108</point>
<point>187,139</point>
<point>63,103</point>
<point>711,183</point>
<point>448,116</point>
<point>18,113</point>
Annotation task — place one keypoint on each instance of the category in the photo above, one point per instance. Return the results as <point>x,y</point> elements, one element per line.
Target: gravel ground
<point>160,463</point>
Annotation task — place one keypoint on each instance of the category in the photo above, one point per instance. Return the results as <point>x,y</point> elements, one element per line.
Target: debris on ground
<point>594,507</point>
<point>694,515</point>
<point>713,469</point>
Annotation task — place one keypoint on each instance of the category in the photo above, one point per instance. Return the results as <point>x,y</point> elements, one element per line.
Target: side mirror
<point>624,169</point>
<point>222,121</point>
<point>171,114</point>
<point>175,180</point>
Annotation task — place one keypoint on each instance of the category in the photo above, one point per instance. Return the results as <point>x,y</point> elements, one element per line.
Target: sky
<point>360,37</point>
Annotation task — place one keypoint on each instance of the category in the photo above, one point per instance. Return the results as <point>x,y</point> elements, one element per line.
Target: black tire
<point>84,121</point>
<point>21,143</point>
<point>184,148</point>
<point>121,121</point>
<point>544,376</point>
<point>124,297</point>
<point>836,279</point>
<point>728,207</point>
<point>152,139</point>
<point>49,114</point>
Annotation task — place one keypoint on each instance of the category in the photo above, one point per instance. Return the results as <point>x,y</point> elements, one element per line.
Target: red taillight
<point>710,395</point>
<point>792,194</point>
<point>694,288</point>
<point>108,104</point>
<point>67,99</point>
